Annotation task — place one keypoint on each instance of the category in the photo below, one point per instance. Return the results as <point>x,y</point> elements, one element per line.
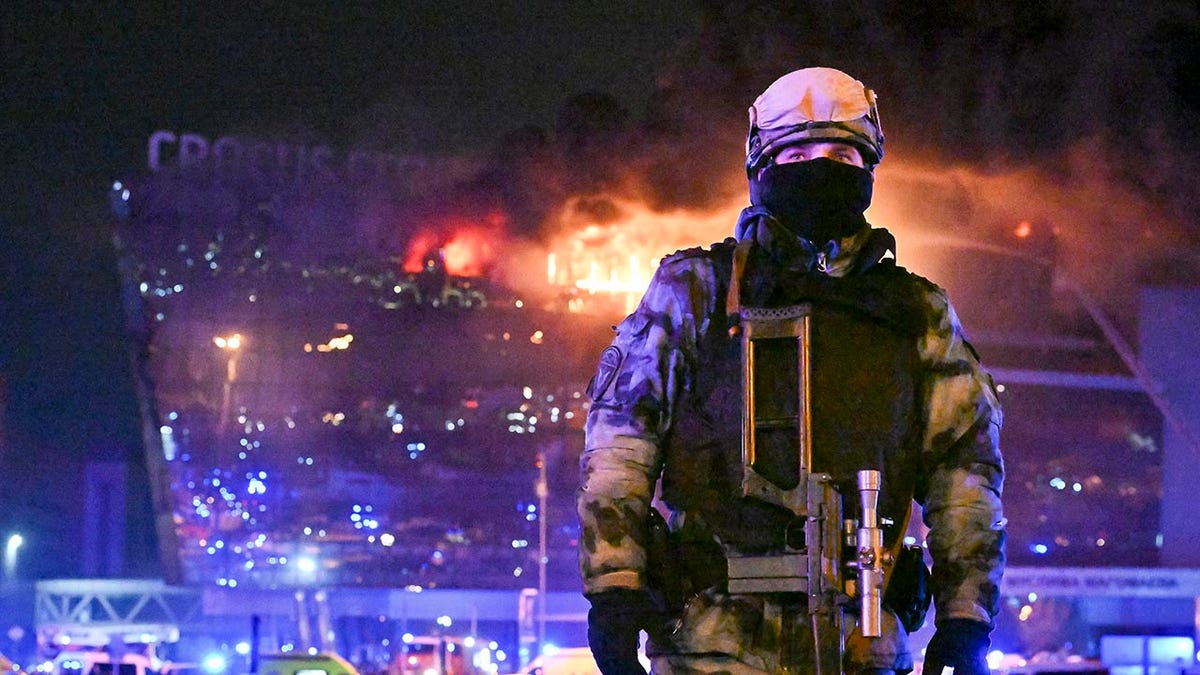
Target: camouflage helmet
<point>813,104</point>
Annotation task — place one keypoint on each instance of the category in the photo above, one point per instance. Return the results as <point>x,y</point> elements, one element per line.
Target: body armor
<point>825,376</point>
<point>667,411</point>
<point>863,414</point>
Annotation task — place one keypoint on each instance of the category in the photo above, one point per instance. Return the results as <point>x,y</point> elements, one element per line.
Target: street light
<point>230,344</point>
<point>14,543</point>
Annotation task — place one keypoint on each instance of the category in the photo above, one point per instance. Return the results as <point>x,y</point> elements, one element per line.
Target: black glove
<point>614,621</point>
<point>961,644</point>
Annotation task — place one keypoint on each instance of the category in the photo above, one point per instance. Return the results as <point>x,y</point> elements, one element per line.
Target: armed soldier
<point>787,394</point>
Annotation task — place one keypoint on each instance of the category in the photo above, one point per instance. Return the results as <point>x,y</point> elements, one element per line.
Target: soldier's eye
<point>794,156</point>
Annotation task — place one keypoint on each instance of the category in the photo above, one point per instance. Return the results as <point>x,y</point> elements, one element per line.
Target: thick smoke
<point>1078,121</point>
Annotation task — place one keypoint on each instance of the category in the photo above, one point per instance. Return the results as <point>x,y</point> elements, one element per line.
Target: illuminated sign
<point>1125,582</point>
<point>277,161</point>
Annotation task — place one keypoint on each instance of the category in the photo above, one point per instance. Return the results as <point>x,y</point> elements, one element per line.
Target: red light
<point>418,248</point>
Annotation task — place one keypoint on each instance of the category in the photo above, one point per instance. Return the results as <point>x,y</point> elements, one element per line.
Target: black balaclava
<point>820,200</point>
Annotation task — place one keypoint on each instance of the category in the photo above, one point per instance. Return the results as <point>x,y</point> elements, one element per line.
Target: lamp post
<point>543,491</point>
<point>231,345</point>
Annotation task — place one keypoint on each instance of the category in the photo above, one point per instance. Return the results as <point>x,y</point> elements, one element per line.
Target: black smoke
<point>1079,117</point>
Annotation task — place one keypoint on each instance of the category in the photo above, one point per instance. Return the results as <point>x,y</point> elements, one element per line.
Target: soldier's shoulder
<point>878,258</point>
<point>920,283</point>
<point>933,302</point>
<point>920,300</point>
<point>715,252</point>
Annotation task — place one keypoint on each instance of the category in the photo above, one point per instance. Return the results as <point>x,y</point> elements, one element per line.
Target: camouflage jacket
<point>641,379</point>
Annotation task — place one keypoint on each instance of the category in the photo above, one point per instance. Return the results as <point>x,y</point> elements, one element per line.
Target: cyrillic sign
<point>1136,582</point>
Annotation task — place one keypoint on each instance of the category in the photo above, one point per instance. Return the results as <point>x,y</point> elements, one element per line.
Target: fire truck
<point>436,655</point>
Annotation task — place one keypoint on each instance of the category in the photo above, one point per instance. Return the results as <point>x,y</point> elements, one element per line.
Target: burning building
<point>335,326</point>
<point>406,343</point>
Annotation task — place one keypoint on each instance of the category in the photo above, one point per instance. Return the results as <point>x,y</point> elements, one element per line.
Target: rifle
<point>840,561</point>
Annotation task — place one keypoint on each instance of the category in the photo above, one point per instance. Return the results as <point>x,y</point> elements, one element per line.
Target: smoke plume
<point>1075,120</point>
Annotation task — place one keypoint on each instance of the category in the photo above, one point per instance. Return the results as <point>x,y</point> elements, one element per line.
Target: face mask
<point>820,200</point>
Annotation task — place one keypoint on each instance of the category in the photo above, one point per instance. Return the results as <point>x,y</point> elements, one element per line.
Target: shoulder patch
<point>610,363</point>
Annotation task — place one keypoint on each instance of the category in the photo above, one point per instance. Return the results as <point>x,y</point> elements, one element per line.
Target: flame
<point>419,248</point>
<point>468,252</point>
<point>599,263</point>
<point>463,247</point>
<point>619,257</point>
<point>933,210</point>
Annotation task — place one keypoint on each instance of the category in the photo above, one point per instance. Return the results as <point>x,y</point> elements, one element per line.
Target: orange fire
<point>468,252</point>
<point>464,247</point>
<point>933,210</point>
<point>619,257</point>
<point>419,248</point>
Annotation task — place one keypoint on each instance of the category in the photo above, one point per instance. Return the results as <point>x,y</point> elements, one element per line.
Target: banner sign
<point>1124,582</point>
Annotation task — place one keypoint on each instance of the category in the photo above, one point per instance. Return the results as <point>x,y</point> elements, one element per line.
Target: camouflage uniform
<point>646,377</point>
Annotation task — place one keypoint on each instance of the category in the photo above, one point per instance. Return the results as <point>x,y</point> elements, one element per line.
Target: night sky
<point>1093,93</point>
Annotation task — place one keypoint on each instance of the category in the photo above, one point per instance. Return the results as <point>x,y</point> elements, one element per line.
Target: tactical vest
<point>865,403</point>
